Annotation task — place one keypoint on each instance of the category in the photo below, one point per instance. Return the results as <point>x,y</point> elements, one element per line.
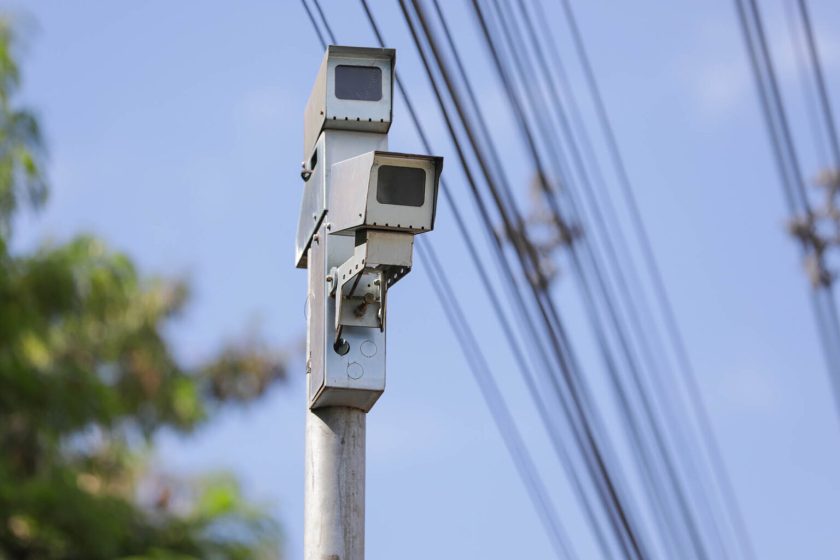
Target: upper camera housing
<point>353,91</point>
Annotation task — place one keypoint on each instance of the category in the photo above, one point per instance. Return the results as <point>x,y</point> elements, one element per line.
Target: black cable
<point>503,321</point>
<point>822,301</point>
<point>819,79</point>
<point>495,402</point>
<point>522,62</point>
<point>471,95</point>
<point>556,334</point>
<point>324,21</point>
<point>556,343</point>
<point>532,148</point>
<point>812,103</point>
<point>787,163</point>
<point>607,222</point>
<point>591,516</point>
<point>314,23</point>
<point>775,96</point>
<point>686,367</point>
<point>822,298</point>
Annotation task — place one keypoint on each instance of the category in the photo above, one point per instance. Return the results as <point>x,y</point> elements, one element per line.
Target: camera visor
<point>358,83</point>
<point>401,186</point>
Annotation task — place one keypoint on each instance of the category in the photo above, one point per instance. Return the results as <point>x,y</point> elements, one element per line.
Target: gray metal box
<point>357,378</point>
<point>353,91</point>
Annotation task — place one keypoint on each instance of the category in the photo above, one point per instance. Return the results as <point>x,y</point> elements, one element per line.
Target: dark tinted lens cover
<point>358,83</point>
<point>401,186</point>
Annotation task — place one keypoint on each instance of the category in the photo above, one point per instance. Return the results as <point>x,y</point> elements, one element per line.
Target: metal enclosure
<point>356,199</point>
<point>357,378</point>
<point>337,108</point>
<point>361,207</point>
<point>332,146</point>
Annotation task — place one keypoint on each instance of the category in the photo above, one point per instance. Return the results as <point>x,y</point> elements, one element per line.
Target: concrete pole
<point>334,509</point>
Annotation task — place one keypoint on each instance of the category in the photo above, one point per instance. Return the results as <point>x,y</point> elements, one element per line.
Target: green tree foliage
<point>86,381</point>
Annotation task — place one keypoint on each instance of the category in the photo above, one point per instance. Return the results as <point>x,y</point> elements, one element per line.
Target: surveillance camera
<point>353,91</point>
<point>384,191</point>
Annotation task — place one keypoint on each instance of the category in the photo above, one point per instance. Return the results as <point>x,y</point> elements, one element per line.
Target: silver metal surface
<point>356,378</point>
<point>360,284</point>
<point>334,510</point>
<point>326,111</point>
<point>332,146</point>
<point>353,199</point>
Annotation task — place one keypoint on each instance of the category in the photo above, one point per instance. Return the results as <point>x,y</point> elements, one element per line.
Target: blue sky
<point>175,132</point>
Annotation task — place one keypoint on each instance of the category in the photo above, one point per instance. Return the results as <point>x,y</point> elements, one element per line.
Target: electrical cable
<point>471,95</point>
<point>522,61</point>
<point>529,140</point>
<point>784,152</point>
<point>819,80</point>
<point>558,338</point>
<point>660,292</point>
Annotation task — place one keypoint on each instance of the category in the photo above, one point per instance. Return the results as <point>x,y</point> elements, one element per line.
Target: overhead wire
<point>494,156</point>
<point>605,222</point>
<point>521,61</point>
<point>557,339</point>
<point>819,80</point>
<point>822,114</point>
<point>787,162</point>
<point>660,292</point>
<point>518,304</point>
<point>470,94</point>
<point>635,428</point>
<point>546,308</point>
<point>500,413</point>
<point>662,387</point>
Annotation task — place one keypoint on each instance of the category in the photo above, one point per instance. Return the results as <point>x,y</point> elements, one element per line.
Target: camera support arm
<point>360,284</point>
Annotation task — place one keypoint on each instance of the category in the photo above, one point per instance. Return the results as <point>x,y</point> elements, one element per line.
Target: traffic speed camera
<point>353,91</point>
<point>384,191</point>
<point>362,206</point>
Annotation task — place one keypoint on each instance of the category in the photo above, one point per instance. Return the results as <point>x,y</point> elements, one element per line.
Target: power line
<point>522,62</point>
<point>819,79</point>
<point>541,174</point>
<point>624,274</point>
<point>685,367</point>
<point>635,429</point>
<point>557,337</point>
<point>784,151</point>
<point>495,402</point>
